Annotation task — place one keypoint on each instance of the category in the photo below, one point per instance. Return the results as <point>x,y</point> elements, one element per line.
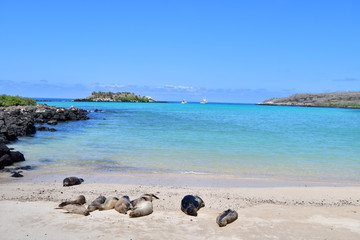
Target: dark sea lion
<point>142,206</point>
<point>80,200</point>
<point>191,204</point>
<point>16,174</point>
<point>123,205</point>
<point>108,204</point>
<point>76,209</point>
<point>226,217</point>
<point>70,181</point>
<point>96,203</point>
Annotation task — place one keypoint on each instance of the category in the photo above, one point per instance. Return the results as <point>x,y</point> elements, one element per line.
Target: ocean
<point>241,140</point>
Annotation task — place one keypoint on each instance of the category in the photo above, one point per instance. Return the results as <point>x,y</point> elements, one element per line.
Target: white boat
<point>203,101</point>
<point>183,101</point>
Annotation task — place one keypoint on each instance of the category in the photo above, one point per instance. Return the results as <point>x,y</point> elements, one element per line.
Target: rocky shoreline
<point>16,121</point>
<point>338,100</point>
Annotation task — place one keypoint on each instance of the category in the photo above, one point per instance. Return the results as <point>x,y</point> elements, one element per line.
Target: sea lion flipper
<point>63,204</point>
<point>153,195</point>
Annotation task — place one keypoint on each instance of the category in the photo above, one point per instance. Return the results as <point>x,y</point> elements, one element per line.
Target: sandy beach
<point>302,212</point>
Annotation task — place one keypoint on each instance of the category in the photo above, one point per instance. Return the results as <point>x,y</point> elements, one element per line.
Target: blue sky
<point>226,51</point>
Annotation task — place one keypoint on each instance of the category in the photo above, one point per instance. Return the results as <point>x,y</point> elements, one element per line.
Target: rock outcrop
<point>20,120</point>
<point>338,99</point>
<point>8,157</point>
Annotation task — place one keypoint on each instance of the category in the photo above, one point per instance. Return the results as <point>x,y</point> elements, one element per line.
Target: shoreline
<point>168,179</point>
<point>264,213</point>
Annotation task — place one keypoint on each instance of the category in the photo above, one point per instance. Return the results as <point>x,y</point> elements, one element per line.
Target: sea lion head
<point>149,197</point>
<point>191,211</point>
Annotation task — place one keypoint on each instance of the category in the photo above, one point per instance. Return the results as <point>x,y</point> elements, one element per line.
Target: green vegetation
<point>6,101</point>
<point>116,97</point>
<point>345,105</point>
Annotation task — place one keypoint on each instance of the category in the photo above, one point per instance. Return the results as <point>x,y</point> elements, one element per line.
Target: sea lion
<point>123,205</point>
<point>96,203</point>
<point>146,197</point>
<point>16,174</point>
<point>76,209</point>
<point>80,200</point>
<point>142,206</point>
<point>108,204</point>
<point>70,181</point>
<point>226,217</point>
<point>191,204</point>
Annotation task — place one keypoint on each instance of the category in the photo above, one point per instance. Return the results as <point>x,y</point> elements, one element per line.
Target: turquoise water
<point>291,143</point>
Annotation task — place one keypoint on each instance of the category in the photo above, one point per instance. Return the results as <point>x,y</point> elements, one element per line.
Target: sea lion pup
<point>80,200</point>
<point>226,217</point>
<point>70,181</point>
<point>142,206</point>
<point>76,209</point>
<point>123,205</point>
<point>191,204</point>
<point>108,204</point>
<point>96,203</point>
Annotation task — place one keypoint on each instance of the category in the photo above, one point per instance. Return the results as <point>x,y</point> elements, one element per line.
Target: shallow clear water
<point>294,143</point>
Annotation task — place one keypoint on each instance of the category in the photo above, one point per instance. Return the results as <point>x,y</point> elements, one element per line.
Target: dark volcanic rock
<point>17,156</point>
<point>5,160</point>
<point>44,128</point>
<point>20,120</point>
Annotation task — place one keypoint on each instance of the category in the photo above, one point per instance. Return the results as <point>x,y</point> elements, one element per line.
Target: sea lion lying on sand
<point>142,206</point>
<point>96,203</point>
<point>80,200</point>
<point>191,204</point>
<point>123,205</point>
<point>76,209</point>
<point>108,204</point>
<point>70,181</point>
<point>226,217</point>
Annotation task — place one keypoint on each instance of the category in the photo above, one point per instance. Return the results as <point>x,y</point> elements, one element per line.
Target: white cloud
<point>172,87</point>
<point>111,86</point>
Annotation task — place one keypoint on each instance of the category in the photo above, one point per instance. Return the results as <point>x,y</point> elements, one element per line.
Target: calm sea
<point>288,143</point>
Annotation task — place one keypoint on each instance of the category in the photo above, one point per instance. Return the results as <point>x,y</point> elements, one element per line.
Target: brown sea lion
<point>76,209</point>
<point>108,204</point>
<point>190,204</point>
<point>80,200</point>
<point>226,217</point>
<point>142,206</point>
<point>96,203</point>
<point>123,205</point>
<point>70,181</point>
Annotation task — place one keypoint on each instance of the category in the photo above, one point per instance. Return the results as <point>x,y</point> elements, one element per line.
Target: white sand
<point>28,212</point>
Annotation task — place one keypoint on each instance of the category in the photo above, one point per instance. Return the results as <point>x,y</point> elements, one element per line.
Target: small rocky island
<point>337,99</point>
<point>115,97</point>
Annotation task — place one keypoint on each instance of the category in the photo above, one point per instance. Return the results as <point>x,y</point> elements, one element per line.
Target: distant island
<point>115,97</point>
<point>337,99</point>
